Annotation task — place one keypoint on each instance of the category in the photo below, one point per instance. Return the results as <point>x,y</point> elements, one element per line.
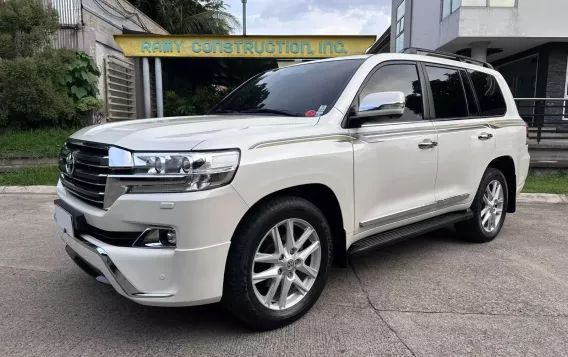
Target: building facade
<point>526,40</point>
<point>89,25</point>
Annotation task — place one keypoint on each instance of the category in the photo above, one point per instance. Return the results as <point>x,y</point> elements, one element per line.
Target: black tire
<point>238,293</point>
<point>472,229</point>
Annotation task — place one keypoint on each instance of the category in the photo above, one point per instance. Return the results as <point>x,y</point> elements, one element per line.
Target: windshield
<point>307,90</point>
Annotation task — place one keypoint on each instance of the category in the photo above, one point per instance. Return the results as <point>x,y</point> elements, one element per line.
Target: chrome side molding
<point>399,216</point>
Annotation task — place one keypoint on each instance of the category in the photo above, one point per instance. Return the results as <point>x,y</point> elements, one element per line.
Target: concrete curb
<point>51,190</point>
<point>542,198</point>
<point>34,190</point>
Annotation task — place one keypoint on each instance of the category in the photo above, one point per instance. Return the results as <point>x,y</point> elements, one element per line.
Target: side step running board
<point>403,233</point>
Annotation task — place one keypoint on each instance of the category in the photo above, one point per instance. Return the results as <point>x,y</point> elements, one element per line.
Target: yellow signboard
<point>243,46</point>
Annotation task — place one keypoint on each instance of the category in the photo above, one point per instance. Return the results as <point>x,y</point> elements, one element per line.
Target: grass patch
<point>38,176</point>
<point>33,144</point>
<point>556,182</point>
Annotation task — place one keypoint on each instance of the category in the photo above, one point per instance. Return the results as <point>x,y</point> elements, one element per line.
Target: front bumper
<point>191,274</point>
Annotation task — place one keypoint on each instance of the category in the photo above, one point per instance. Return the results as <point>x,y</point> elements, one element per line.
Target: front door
<point>395,157</point>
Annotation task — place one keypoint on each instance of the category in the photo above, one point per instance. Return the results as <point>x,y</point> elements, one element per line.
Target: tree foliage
<point>26,27</point>
<point>190,16</point>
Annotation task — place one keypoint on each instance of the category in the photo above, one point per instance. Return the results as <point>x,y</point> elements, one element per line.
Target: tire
<point>479,229</point>
<point>244,298</point>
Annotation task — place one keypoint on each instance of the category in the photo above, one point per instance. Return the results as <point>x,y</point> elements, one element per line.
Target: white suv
<point>298,168</point>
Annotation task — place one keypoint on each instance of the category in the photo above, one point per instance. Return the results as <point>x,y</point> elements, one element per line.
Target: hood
<point>184,133</point>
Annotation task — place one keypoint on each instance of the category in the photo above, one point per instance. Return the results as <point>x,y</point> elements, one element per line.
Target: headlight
<point>175,172</point>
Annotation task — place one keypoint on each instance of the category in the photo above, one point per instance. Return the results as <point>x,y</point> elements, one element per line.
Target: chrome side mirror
<point>382,104</point>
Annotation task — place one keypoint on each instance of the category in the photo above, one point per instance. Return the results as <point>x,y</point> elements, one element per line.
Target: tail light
<point>527,132</point>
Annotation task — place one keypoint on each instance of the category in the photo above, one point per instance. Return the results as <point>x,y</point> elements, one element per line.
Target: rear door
<point>466,143</point>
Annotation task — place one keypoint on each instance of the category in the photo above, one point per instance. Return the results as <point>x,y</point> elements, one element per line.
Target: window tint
<point>398,78</point>
<point>309,89</point>
<point>447,92</point>
<point>489,95</point>
<point>471,105</point>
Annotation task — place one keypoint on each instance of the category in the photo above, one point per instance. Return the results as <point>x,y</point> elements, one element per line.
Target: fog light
<point>156,238</point>
<point>171,236</point>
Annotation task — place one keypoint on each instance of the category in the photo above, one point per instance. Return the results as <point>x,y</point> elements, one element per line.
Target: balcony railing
<point>547,118</point>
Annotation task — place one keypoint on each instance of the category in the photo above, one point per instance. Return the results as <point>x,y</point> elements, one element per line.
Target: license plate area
<point>64,220</point>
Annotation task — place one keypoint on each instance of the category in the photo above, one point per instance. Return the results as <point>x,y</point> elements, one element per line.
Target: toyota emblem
<point>70,164</point>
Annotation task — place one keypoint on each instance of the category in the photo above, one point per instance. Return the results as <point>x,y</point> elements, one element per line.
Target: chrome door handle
<point>427,144</point>
<point>485,136</point>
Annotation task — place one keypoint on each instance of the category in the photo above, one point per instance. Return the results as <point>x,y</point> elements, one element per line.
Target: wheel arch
<point>506,165</point>
<point>324,199</point>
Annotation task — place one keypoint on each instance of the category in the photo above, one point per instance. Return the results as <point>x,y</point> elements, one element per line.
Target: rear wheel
<point>489,207</point>
<point>278,263</point>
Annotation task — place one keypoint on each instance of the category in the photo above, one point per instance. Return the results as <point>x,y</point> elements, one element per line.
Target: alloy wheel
<point>286,264</point>
<point>493,201</point>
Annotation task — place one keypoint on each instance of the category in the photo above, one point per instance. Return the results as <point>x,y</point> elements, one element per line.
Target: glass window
<point>471,104</point>
<point>456,5</point>
<point>502,3</point>
<point>474,3</point>
<point>309,89</point>
<point>399,44</point>
<point>446,8</point>
<point>398,78</point>
<point>447,92</point>
<point>489,95</point>
<point>400,11</point>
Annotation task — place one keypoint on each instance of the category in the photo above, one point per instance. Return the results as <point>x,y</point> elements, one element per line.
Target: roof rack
<point>447,55</point>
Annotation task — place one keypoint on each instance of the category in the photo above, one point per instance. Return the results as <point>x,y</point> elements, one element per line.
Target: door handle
<point>484,136</point>
<point>427,144</point>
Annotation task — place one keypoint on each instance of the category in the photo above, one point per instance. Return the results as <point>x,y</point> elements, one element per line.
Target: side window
<point>398,78</point>
<point>471,105</point>
<point>447,92</point>
<point>489,95</point>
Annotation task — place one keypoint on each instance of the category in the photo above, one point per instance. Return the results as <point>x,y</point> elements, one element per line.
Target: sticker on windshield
<point>310,113</point>
<point>320,111</point>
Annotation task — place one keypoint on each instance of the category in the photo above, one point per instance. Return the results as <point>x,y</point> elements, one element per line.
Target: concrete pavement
<point>431,296</point>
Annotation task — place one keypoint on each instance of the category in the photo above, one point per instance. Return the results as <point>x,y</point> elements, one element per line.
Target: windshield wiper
<point>272,111</point>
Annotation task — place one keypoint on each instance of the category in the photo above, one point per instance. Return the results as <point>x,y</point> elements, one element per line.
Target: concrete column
<point>159,88</point>
<point>479,50</point>
<point>146,80</point>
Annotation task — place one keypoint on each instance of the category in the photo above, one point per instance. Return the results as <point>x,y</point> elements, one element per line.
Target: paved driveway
<point>432,296</point>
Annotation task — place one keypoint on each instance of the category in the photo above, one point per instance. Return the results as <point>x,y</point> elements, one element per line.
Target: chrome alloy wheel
<point>493,201</point>
<point>286,264</point>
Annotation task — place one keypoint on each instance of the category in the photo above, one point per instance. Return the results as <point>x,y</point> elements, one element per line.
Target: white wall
<point>425,24</point>
<point>532,18</point>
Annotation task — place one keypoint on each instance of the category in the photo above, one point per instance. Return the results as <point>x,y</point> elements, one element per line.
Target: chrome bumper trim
<point>117,275</point>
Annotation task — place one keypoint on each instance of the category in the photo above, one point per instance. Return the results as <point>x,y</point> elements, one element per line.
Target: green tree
<point>190,16</point>
<point>26,27</point>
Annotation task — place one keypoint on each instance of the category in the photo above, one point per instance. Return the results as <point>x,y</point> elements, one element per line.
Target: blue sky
<point>314,17</point>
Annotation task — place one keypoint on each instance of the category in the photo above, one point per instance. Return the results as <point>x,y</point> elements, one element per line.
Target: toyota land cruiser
<point>298,168</point>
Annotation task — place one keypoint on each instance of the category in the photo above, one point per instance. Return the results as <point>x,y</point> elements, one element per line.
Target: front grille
<point>87,182</point>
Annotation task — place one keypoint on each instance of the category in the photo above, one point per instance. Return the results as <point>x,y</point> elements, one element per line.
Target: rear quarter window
<point>489,94</point>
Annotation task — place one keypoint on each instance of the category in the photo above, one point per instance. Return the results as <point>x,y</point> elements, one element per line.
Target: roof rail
<point>447,55</point>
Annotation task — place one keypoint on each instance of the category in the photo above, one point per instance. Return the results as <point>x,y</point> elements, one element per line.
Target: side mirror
<point>382,103</point>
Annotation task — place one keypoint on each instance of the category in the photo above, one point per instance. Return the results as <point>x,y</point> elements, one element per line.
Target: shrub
<point>30,97</point>
<point>60,90</point>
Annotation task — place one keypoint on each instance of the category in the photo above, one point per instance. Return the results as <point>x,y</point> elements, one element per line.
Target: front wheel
<point>489,208</point>
<point>278,263</point>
